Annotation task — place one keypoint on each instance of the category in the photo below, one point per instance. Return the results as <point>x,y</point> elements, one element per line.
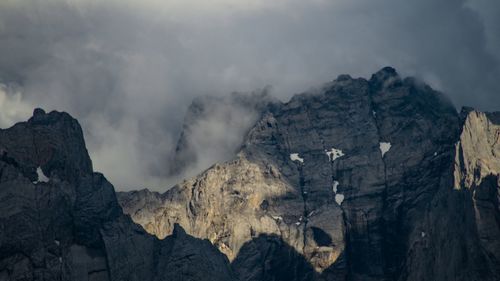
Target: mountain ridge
<point>69,225</point>
<point>365,214</point>
<point>378,179</point>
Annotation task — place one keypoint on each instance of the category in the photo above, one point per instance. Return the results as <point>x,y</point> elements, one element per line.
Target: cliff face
<point>377,179</point>
<point>61,221</point>
<point>477,171</point>
<point>355,182</point>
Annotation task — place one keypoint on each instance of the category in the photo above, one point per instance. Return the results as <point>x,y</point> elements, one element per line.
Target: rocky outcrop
<point>477,173</point>
<point>353,182</point>
<point>377,179</point>
<point>478,149</point>
<point>238,187</point>
<point>61,221</point>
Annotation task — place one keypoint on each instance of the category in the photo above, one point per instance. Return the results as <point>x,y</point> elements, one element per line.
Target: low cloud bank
<point>128,70</point>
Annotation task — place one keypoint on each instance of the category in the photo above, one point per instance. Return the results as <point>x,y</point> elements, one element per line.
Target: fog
<point>128,70</point>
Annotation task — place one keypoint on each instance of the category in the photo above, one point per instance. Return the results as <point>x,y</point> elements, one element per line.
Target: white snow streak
<point>339,198</point>
<point>385,147</point>
<point>296,157</point>
<point>334,153</point>
<point>41,176</point>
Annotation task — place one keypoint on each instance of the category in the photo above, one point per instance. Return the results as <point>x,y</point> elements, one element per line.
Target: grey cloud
<point>214,129</point>
<point>128,69</point>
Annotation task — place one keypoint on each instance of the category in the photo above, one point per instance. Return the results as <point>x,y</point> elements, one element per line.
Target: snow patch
<point>374,113</point>
<point>435,153</point>
<point>334,153</point>
<point>339,198</point>
<point>41,176</point>
<point>297,223</point>
<point>422,234</point>
<point>385,147</point>
<point>296,157</point>
<point>335,185</point>
<point>60,259</point>
<point>278,218</point>
<point>57,242</point>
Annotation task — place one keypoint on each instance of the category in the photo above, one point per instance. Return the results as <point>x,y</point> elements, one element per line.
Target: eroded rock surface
<point>377,179</point>
<point>477,172</point>
<point>353,182</point>
<point>61,221</point>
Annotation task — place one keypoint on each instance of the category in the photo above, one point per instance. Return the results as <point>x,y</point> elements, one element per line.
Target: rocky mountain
<point>377,179</point>
<point>214,128</point>
<point>59,220</point>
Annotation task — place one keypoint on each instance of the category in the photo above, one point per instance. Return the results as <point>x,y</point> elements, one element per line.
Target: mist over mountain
<point>128,70</point>
<point>363,179</point>
<point>249,140</point>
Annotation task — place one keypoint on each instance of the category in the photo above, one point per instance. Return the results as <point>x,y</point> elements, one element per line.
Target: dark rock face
<point>385,194</point>
<point>282,262</point>
<point>61,221</point>
<point>377,179</point>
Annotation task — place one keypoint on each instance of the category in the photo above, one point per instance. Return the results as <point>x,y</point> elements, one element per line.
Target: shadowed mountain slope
<point>359,178</point>
<point>61,221</point>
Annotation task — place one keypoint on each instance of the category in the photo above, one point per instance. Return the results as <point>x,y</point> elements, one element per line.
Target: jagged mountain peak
<point>343,77</point>
<point>380,79</point>
<point>52,141</point>
<point>385,73</point>
<point>384,78</point>
<point>240,112</point>
<point>61,221</point>
<point>354,181</point>
<point>466,112</point>
<point>40,117</point>
<point>377,179</point>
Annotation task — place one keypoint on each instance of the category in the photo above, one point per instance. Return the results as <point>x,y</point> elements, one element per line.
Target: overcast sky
<point>128,69</point>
